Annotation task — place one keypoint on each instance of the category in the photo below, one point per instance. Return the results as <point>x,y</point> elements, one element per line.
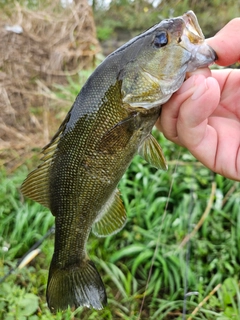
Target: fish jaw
<point>201,56</point>
<point>193,40</point>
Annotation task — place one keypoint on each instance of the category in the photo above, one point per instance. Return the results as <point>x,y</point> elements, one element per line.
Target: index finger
<point>226,43</point>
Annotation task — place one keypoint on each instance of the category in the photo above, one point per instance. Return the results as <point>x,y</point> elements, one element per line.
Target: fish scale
<point>110,121</point>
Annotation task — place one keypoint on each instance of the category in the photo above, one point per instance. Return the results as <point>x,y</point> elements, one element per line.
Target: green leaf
<point>231,313</point>
<point>229,290</point>
<point>28,304</point>
<point>128,251</point>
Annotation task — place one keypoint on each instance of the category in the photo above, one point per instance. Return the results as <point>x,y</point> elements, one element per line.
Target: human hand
<point>204,114</point>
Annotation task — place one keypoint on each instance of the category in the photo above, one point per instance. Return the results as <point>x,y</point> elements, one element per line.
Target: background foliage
<point>124,18</point>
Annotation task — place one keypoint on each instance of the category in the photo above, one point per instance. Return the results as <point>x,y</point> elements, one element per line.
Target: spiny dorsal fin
<point>151,151</point>
<point>112,218</point>
<point>36,185</point>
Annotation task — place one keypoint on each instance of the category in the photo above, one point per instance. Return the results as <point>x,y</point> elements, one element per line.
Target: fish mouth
<point>192,29</point>
<point>192,40</point>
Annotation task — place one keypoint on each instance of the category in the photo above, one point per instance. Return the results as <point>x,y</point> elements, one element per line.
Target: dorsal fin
<point>112,218</point>
<point>151,151</point>
<point>36,185</point>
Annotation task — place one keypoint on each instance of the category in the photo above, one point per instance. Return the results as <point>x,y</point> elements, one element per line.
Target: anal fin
<point>151,151</point>
<point>112,217</point>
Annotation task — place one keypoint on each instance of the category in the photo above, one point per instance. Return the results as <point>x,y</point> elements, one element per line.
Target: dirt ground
<point>38,49</point>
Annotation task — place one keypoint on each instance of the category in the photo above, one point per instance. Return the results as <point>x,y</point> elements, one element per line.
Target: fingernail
<point>201,89</point>
<point>190,83</point>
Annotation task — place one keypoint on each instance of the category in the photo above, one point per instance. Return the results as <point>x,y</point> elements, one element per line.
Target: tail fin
<point>76,286</point>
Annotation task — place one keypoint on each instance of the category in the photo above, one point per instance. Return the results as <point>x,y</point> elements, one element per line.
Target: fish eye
<point>161,39</point>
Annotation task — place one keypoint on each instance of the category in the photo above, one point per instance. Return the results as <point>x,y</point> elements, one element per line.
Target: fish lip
<point>192,28</point>
<point>193,40</point>
<point>202,56</point>
<point>194,32</point>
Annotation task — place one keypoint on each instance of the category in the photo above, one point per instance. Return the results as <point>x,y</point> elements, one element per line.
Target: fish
<point>108,124</point>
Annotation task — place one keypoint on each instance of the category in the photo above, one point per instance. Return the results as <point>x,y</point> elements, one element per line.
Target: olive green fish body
<point>91,168</point>
<point>110,121</point>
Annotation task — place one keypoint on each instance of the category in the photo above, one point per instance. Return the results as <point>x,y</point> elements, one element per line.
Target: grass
<point>142,282</point>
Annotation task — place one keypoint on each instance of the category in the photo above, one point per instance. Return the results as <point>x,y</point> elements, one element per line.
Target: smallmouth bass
<point>110,121</point>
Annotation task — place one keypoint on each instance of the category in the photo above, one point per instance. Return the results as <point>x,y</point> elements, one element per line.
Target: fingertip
<point>212,83</point>
<point>208,84</point>
<point>200,104</point>
<point>214,89</point>
<point>206,72</point>
<point>226,43</point>
<point>200,90</point>
<point>190,83</point>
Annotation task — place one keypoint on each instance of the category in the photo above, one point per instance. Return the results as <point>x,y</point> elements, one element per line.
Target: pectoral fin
<point>111,218</point>
<point>117,138</point>
<point>151,151</point>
